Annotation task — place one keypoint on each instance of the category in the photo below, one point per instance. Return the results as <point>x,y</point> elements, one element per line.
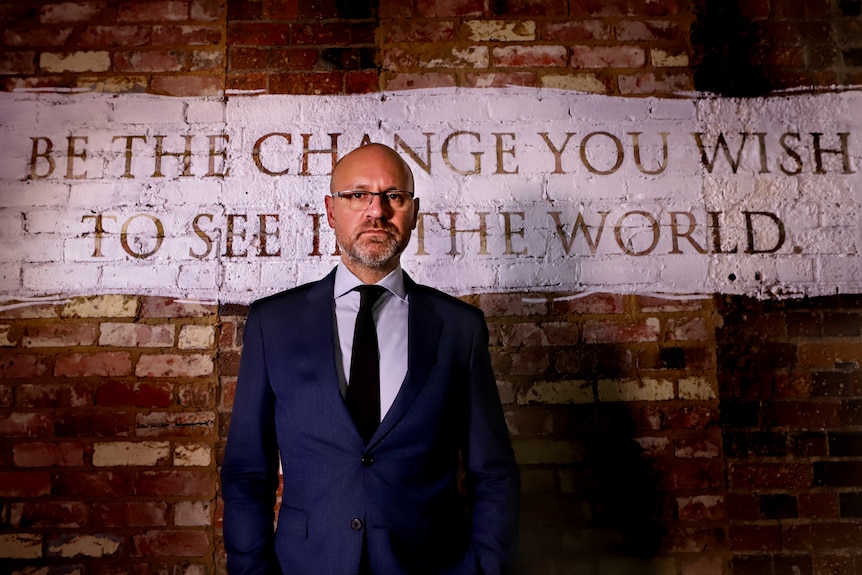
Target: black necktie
<point>363,387</point>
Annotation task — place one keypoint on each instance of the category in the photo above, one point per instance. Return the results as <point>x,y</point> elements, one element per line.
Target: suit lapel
<point>319,315</point>
<point>423,335</point>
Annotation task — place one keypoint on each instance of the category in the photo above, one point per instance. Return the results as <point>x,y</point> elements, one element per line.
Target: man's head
<point>371,237</point>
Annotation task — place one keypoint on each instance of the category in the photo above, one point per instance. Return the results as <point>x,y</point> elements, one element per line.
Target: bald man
<point>370,392</point>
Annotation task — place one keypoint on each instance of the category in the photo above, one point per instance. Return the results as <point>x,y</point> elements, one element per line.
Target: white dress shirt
<point>390,319</point>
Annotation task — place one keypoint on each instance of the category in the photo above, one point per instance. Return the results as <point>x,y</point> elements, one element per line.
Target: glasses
<point>359,200</point>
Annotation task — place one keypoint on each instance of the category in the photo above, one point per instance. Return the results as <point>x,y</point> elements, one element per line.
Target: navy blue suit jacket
<point>401,490</point>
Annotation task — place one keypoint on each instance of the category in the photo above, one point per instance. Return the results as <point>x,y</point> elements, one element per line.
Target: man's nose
<point>378,207</point>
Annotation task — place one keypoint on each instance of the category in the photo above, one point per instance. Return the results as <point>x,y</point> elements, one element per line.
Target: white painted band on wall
<point>520,190</point>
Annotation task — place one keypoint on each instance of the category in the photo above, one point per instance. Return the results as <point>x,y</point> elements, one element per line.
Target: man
<point>370,486</point>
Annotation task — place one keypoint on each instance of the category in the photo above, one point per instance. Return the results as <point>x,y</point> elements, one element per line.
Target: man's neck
<point>366,274</point>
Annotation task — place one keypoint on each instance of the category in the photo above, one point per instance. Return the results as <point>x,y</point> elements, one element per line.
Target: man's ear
<point>329,201</point>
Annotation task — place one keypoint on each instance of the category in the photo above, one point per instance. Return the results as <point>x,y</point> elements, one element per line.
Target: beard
<point>374,253</point>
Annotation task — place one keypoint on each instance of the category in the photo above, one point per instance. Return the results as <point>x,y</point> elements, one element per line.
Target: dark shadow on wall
<point>727,46</point>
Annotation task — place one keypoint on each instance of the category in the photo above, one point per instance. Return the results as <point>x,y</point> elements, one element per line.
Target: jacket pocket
<point>293,521</point>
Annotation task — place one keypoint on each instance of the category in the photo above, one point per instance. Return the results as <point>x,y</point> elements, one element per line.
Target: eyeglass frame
<point>344,194</point>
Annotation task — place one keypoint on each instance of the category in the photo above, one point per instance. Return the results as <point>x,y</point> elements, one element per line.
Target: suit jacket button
<point>367,460</point>
<point>356,524</point>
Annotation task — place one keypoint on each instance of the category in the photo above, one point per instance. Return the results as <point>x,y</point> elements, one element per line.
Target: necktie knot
<point>368,295</point>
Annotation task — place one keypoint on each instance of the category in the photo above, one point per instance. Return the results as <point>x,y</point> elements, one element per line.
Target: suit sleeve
<point>493,479</point>
<point>249,476</point>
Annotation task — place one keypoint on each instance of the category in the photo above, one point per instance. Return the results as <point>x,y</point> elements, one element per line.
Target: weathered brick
<point>701,447</point>
<point>87,61</point>
<point>93,484</point>
<point>607,57</point>
<point>153,10</point>
<point>589,303</point>
<point>647,389</point>
<point>823,355</point>
<point>530,56</point>
<point>696,388</point>
<point>43,454</point>
<point>131,453</point>
<point>650,83</point>
<point>755,537</point>
<point>21,546</point>
<point>826,535</point>
<point>208,10</point>
<point>66,12</point>
<point>17,62</point>
<point>106,364</point>
<point>131,514</point>
<point>575,30</point>
<point>257,34</point>
<point>470,57</point>
<point>101,306</point>
<point>696,476</point>
<point>53,514</point>
<point>665,59</point>
<point>770,475</point>
<point>501,30</point>
<point>109,36</point>
<point>280,59</point>
<point>136,335</point>
<point>193,514</point>
<point>178,543</point>
<point>36,36</point>
<point>701,508</point>
<point>315,83</point>
<point>67,546</point>
<point>419,81</point>
<point>499,79</point>
<point>607,332</point>
<point>188,35</point>
<point>448,8</point>
<point>93,423</point>
<point>59,335</point>
<point>23,424</point>
<point>647,30</point>
<point>174,365</point>
<point>361,82</point>
<point>281,9</point>
<point>192,455</point>
<point>576,82</point>
<point>197,394</point>
<point>512,304</point>
<point>150,61</point>
<point>157,424</point>
<point>530,423</point>
<point>13,366</point>
<point>557,392</point>
<point>187,85</point>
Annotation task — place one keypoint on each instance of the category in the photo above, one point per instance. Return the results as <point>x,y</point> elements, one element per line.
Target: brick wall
<point>687,436</point>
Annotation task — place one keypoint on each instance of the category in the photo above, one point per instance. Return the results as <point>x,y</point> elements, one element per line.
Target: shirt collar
<point>345,282</point>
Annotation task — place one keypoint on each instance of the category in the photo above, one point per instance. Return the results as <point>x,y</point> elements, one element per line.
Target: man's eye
<point>393,196</point>
<point>358,195</point>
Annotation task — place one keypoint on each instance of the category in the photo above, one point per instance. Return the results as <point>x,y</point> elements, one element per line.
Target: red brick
<point>419,81</point>
<point>819,505</point>
<point>529,362</point>
<point>195,395</point>
<point>62,515</point>
<point>328,34</point>
<point>755,537</point>
<point>203,60</point>
<point>530,422</point>
<point>822,536</point>
<point>187,85</point>
<point>687,329</point>
<point>242,58</point>
<point>446,8</point>
<point>361,82</point>
<point>175,484</point>
<point>106,36</point>
<point>247,82</point>
<point>770,475</point>
<point>292,58</point>
<point>207,10</point>
<point>530,56</point>
<point>652,304</point>
<point>131,514</point>
<point>139,394</point>
<point>596,331</point>
<point>395,9</point>
<point>13,366</point>
<point>589,303</point>
<point>188,35</point>
<point>258,34</point>
<point>108,363</point>
<point>797,414</point>
<point>743,506</point>
<point>575,30</point>
<point>608,57</point>
<point>36,37</point>
<point>65,12</point>
<point>281,9</point>
<point>311,83</point>
<point>23,424</point>
<point>153,10</point>
<point>701,508</point>
<point>59,335</point>
<point>413,31</point>
<point>828,355</point>
<point>94,424</point>
<point>54,395</point>
<point>228,391</point>
<point>179,543</point>
<point>647,30</point>
<point>173,424</point>
<point>94,484</point>
<point>149,61</point>
<point>153,306</point>
<point>136,335</point>
<point>695,475</point>
<point>174,365</point>
<point>694,540</point>
<point>42,454</point>
<point>24,484</point>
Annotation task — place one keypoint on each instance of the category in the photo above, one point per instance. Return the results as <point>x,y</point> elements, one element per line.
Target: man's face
<point>371,239</point>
